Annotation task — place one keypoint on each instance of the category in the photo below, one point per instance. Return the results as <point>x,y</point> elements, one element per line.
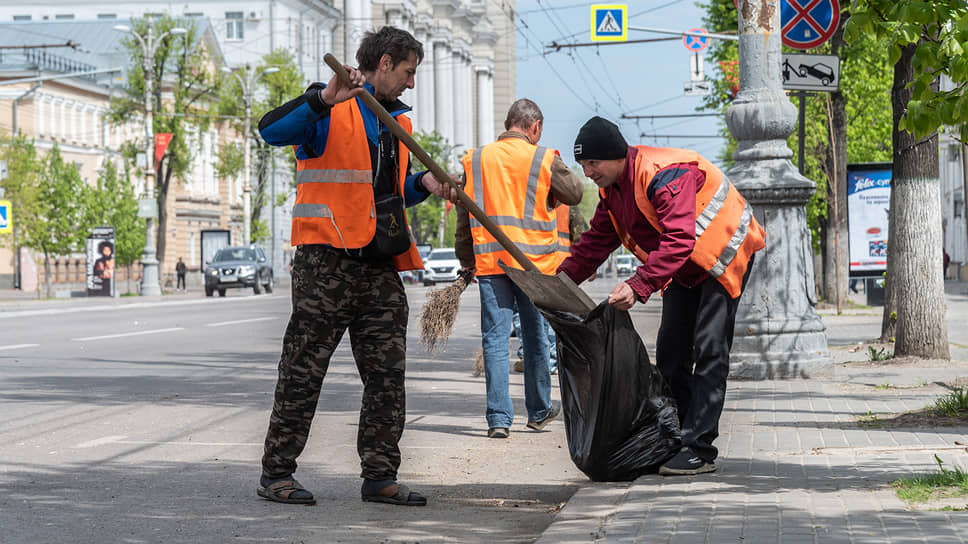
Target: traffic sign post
<point>808,23</point>
<point>609,23</point>
<point>6,219</point>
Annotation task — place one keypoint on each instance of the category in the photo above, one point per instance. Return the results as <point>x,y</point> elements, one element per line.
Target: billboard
<point>100,262</point>
<point>868,206</point>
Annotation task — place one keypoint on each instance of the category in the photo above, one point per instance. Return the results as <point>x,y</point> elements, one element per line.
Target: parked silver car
<point>441,266</point>
<point>238,266</point>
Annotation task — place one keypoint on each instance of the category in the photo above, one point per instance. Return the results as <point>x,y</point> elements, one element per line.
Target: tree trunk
<point>837,256</point>
<point>162,218</point>
<point>915,287</point>
<point>47,284</point>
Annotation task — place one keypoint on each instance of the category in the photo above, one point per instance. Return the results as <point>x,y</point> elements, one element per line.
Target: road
<point>131,421</point>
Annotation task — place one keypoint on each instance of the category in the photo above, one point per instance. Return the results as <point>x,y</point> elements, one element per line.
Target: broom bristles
<point>439,313</point>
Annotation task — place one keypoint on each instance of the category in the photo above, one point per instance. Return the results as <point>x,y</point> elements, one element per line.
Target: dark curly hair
<point>390,41</point>
<point>103,244</point>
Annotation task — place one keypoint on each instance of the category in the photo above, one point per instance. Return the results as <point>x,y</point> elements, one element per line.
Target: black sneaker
<point>552,414</point>
<point>498,432</point>
<point>685,463</point>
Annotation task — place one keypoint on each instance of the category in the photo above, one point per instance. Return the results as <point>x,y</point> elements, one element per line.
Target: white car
<point>624,264</point>
<point>441,266</point>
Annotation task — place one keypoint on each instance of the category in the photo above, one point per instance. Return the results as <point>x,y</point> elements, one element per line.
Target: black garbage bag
<point>620,419</point>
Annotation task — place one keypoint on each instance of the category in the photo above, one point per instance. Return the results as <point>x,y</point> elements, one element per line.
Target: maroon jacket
<point>675,205</point>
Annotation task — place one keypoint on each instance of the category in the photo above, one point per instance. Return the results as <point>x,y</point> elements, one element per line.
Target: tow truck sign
<point>810,72</point>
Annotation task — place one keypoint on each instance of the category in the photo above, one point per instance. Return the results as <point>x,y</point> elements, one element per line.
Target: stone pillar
<point>358,22</point>
<point>424,108</point>
<point>778,333</point>
<point>465,103</point>
<point>485,102</point>
<point>444,104</point>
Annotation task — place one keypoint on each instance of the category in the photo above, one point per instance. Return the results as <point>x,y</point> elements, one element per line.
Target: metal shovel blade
<point>557,293</point>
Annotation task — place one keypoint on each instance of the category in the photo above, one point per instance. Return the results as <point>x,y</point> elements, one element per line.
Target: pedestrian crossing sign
<point>609,23</point>
<point>6,221</point>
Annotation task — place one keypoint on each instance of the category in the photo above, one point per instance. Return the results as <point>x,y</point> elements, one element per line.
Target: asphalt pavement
<point>140,420</point>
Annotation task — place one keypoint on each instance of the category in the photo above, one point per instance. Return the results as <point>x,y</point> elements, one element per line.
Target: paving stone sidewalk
<point>799,460</point>
<point>796,466</point>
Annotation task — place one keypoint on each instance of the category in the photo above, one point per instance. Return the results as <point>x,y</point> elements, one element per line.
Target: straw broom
<point>439,313</point>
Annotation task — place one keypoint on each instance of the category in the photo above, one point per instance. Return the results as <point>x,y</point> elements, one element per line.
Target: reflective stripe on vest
<point>334,176</point>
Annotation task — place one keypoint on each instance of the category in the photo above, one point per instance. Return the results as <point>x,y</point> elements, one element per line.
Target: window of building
<point>233,25</point>
<point>64,16</point>
<point>195,14</point>
<point>21,17</point>
<point>107,15</point>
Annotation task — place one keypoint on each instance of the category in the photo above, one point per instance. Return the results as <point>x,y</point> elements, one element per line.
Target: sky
<point>574,84</point>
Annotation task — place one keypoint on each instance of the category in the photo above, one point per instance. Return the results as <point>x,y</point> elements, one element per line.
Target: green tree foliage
<point>426,218</point>
<point>59,226</point>
<point>183,76</point>
<point>22,188</point>
<point>939,28</point>
<point>269,92</point>
<point>112,202</point>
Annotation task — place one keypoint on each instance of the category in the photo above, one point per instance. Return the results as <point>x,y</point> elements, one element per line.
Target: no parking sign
<point>808,23</point>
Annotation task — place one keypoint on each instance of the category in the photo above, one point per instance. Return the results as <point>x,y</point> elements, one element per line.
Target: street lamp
<point>149,45</point>
<point>247,82</point>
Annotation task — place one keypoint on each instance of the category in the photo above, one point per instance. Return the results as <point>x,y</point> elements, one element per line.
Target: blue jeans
<point>552,341</point>
<point>498,297</point>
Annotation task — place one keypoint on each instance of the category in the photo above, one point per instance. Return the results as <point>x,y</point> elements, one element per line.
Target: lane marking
<point>101,441</point>
<point>126,334</point>
<point>18,346</point>
<point>253,320</point>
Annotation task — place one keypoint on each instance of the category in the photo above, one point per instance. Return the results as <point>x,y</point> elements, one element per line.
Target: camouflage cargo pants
<point>330,294</point>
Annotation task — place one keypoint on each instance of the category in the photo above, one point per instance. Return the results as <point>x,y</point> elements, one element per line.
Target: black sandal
<point>403,497</point>
<point>283,491</point>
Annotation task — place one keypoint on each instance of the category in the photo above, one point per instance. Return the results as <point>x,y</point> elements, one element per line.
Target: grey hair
<point>522,114</point>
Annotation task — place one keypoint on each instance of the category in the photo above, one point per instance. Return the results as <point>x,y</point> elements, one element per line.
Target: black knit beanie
<point>600,139</point>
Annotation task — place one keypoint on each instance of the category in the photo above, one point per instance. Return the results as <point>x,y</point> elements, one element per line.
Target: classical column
<point>444,98</point>
<point>424,108</point>
<point>485,101</point>
<point>456,59</point>
<point>464,112</point>
<point>778,333</point>
<point>358,21</point>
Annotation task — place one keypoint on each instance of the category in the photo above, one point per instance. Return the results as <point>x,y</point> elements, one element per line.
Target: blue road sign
<point>609,23</point>
<point>695,43</point>
<point>808,23</point>
<point>6,221</point>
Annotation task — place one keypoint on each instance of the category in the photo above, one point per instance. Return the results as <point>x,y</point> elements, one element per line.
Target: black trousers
<point>692,354</point>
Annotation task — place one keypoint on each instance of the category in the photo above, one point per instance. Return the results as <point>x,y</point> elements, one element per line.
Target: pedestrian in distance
<point>518,184</point>
<point>354,179</point>
<point>695,236</point>
<point>180,270</point>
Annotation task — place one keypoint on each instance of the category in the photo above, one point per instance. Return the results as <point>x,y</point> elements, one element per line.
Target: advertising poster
<point>100,262</point>
<point>868,206</point>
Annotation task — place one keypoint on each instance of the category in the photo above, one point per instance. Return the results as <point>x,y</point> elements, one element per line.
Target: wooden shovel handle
<point>439,173</point>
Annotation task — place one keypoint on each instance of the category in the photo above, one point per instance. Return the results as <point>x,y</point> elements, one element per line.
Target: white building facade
<point>463,87</point>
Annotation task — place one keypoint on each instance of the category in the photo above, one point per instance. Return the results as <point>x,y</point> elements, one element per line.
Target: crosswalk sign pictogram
<point>609,23</point>
<point>6,221</point>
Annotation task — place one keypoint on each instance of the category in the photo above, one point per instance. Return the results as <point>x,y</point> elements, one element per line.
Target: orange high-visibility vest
<point>564,232</point>
<point>727,234</point>
<point>510,180</point>
<point>334,192</point>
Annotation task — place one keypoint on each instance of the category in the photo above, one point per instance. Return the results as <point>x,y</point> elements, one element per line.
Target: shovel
<point>557,293</point>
